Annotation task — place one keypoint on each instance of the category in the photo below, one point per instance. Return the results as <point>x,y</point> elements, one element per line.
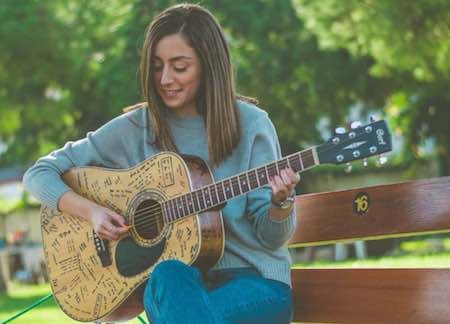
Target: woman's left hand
<point>283,184</point>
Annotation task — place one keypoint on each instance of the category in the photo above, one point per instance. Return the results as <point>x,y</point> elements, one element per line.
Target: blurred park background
<point>68,66</point>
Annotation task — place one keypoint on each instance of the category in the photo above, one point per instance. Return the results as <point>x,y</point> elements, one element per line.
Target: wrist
<point>285,204</point>
<point>278,214</point>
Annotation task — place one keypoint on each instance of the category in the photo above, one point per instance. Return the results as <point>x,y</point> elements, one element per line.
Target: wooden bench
<point>407,295</point>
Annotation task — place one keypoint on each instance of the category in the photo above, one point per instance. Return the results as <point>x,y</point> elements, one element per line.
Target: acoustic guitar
<point>172,205</point>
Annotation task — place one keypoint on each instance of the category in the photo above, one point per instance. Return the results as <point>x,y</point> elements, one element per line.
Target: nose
<point>166,76</point>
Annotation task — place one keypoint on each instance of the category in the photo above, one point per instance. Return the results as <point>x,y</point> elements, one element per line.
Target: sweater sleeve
<point>265,148</point>
<point>43,179</point>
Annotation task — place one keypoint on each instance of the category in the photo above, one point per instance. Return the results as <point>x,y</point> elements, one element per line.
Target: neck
<point>189,110</point>
<point>218,193</point>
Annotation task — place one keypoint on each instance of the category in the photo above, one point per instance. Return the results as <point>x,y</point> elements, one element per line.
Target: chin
<point>172,105</point>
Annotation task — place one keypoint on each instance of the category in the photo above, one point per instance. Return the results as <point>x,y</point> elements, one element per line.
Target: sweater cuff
<point>277,232</point>
<point>50,195</point>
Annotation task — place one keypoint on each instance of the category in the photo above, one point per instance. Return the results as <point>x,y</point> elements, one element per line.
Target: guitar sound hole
<point>148,219</point>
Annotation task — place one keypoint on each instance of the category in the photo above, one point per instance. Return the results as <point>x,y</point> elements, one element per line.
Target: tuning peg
<point>340,130</point>
<point>365,163</point>
<point>348,167</point>
<point>355,124</point>
<point>382,159</point>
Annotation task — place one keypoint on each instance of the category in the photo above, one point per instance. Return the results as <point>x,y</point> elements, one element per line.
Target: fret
<point>300,160</point>
<point>214,196</point>
<point>180,206</point>
<point>208,201</point>
<point>253,179</point>
<point>235,186</point>
<point>201,199</point>
<point>271,169</point>
<point>221,192</point>
<point>185,205</point>
<point>227,187</point>
<point>165,212</point>
<point>196,201</point>
<point>174,208</point>
<point>190,203</point>
<point>282,164</point>
<point>262,176</point>
<point>295,163</point>
<point>239,184</point>
<point>307,158</point>
<point>244,183</point>
<point>248,181</point>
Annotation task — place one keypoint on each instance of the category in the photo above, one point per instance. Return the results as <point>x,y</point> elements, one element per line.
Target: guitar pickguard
<point>132,259</point>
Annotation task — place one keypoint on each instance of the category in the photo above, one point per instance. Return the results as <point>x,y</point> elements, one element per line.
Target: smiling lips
<point>169,93</point>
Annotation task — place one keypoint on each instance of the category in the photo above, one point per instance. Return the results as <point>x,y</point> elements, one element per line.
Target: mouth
<point>170,93</point>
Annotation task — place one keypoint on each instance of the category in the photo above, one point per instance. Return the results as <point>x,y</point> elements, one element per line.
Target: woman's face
<point>177,74</point>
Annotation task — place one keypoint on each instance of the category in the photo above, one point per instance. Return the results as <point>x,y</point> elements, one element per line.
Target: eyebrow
<point>176,58</point>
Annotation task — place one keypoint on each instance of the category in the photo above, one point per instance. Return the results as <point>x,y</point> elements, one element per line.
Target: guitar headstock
<point>360,142</point>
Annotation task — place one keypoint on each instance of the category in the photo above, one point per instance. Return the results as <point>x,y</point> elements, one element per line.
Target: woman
<point>192,108</point>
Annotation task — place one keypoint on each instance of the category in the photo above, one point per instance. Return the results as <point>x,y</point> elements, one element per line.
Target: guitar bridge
<point>102,248</point>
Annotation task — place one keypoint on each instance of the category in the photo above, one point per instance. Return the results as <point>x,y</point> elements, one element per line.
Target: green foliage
<point>280,63</point>
<point>409,42</point>
<point>68,66</point>
<point>410,36</point>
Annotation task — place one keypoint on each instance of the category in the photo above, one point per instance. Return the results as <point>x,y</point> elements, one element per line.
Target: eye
<point>180,68</point>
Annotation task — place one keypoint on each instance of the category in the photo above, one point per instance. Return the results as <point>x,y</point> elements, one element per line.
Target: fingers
<point>283,184</point>
<point>112,226</point>
<point>117,218</point>
<point>108,231</point>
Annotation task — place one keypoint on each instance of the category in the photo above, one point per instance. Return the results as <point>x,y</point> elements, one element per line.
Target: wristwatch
<point>287,203</point>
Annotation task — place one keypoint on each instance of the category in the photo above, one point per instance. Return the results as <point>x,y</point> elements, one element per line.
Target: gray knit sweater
<point>252,238</point>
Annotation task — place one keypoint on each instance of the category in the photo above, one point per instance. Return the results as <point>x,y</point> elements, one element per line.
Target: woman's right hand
<point>107,223</point>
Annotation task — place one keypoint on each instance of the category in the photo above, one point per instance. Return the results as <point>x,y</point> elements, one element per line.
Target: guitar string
<point>156,216</point>
<point>153,220</point>
<point>233,181</point>
<point>186,204</point>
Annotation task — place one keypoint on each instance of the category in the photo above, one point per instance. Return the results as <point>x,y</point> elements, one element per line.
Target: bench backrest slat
<point>393,210</point>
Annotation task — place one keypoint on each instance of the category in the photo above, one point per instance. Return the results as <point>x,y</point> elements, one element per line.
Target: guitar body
<point>94,279</point>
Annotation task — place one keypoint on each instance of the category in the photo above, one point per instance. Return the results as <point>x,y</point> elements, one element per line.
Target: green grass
<point>21,296</point>
<point>435,260</point>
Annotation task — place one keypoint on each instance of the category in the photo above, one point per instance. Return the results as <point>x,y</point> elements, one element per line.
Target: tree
<point>409,42</point>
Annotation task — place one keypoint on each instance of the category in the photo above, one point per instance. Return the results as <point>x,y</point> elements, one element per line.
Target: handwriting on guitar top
<point>69,264</point>
<point>166,168</point>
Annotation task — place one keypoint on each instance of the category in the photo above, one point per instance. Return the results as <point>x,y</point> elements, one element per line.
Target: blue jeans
<point>178,293</point>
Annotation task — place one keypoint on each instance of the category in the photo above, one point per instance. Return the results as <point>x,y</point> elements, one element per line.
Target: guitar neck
<point>218,193</point>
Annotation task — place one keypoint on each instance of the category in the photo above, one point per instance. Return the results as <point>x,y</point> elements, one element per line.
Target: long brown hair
<point>216,96</point>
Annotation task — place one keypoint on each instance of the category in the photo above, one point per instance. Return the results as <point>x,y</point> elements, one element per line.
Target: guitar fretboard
<point>220,192</point>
